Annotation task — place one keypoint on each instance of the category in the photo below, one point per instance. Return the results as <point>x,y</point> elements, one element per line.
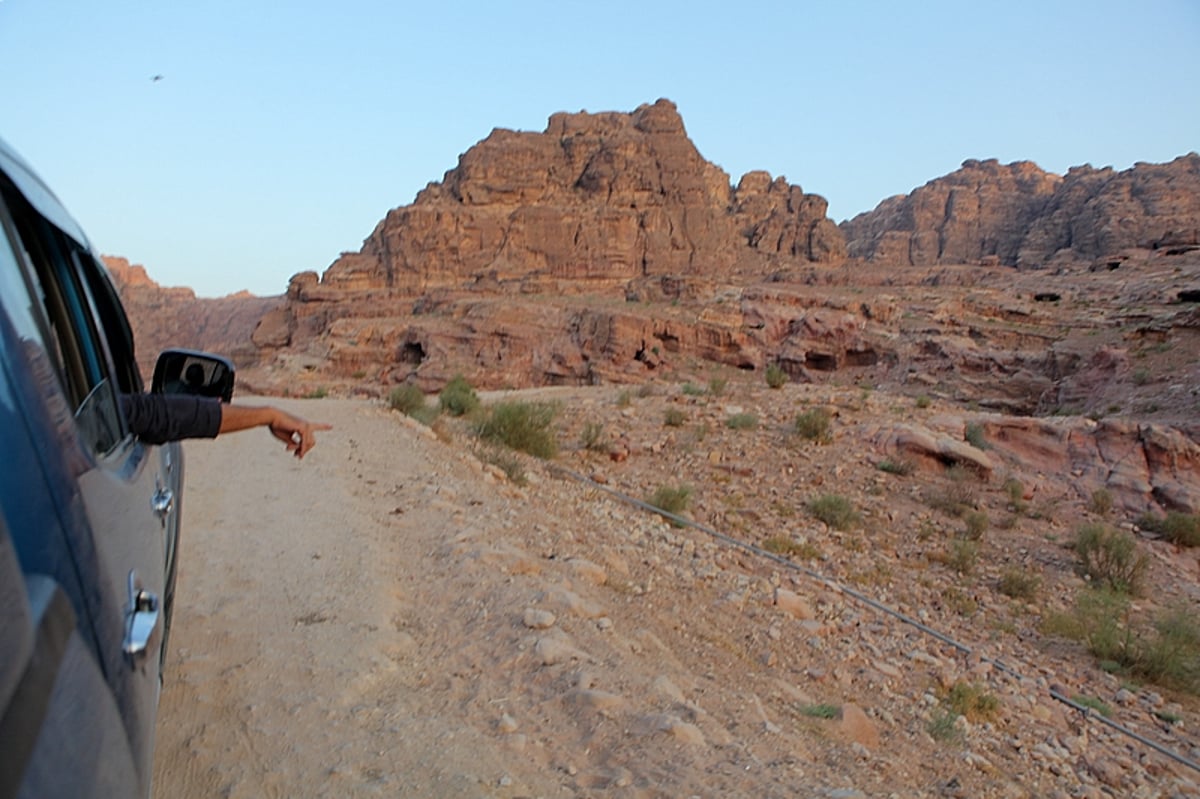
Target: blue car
<point>89,515</point>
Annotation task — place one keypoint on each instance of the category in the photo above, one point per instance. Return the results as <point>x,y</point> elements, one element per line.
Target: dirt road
<point>293,670</point>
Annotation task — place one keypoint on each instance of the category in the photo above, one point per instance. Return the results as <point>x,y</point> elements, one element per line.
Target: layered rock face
<point>1019,215</point>
<point>163,317</point>
<point>602,197</point>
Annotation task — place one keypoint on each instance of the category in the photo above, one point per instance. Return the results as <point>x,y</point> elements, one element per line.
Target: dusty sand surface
<point>391,618</point>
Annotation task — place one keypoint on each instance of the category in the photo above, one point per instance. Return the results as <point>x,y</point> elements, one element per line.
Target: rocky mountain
<point>1019,215</point>
<point>164,317</point>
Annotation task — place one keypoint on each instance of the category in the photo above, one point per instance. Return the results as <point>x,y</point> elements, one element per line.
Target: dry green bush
<point>790,548</point>
<point>1019,583</point>
<point>523,426</point>
<point>815,425</point>
<point>1101,502</point>
<point>1110,556</point>
<point>898,466</point>
<point>1178,528</point>
<point>672,499</point>
<point>976,524</point>
<point>776,377</point>
<point>592,437</point>
<point>674,417</point>
<point>406,399</point>
<point>835,510</point>
<point>742,421</point>
<point>457,398</point>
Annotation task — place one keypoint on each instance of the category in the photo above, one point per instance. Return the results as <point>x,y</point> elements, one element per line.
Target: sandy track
<point>289,672</point>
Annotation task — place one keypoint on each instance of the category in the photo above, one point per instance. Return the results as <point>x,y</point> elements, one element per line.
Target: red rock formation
<point>163,317</point>
<point>1019,215</point>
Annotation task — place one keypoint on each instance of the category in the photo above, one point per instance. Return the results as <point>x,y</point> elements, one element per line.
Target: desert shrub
<point>625,399</point>
<point>1019,583</point>
<point>1166,652</point>
<point>674,417</point>
<point>1178,528</point>
<point>976,524</point>
<point>1093,703</point>
<point>406,399</point>
<point>716,386</point>
<point>457,398</point>
<point>815,425</point>
<point>975,436</point>
<point>942,727</point>
<point>958,496</point>
<point>821,711</point>
<point>742,421</point>
<point>962,555</point>
<point>1101,502</point>
<point>776,377</point>
<point>672,499</point>
<point>790,548</point>
<point>645,390</point>
<point>320,392</point>
<point>1110,556</point>
<point>972,701</point>
<point>923,401</point>
<point>523,426</point>
<point>835,510</point>
<point>1015,491</point>
<point>1141,377</point>
<point>900,466</point>
<point>592,437</point>
<point>692,390</point>
<point>506,461</point>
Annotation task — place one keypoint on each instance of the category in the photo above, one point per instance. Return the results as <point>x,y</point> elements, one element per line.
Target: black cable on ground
<point>879,606</point>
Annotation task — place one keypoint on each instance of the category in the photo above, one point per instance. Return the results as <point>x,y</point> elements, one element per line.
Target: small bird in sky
<point>156,78</point>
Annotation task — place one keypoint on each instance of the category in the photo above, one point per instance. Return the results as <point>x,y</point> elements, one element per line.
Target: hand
<point>299,435</point>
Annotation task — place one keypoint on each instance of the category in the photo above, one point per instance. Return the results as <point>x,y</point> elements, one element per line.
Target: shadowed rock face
<point>163,317</point>
<point>1019,215</point>
<point>596,197</point>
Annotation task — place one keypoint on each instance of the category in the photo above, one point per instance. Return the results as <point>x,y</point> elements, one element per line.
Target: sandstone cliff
<point>163,317</point>
<point>1019,215</point>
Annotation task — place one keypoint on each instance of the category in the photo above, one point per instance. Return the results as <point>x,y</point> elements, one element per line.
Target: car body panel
<point>83,516</point>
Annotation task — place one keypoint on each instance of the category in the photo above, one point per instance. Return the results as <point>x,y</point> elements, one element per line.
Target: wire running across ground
<point>876,605</point>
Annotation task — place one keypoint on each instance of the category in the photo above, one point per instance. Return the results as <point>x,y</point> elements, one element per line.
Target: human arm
<point>298,434</point>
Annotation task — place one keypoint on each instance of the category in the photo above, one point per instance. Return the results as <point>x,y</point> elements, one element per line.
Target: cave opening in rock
<point>412,352</point>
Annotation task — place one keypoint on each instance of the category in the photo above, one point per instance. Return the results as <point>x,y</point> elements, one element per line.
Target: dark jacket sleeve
<point>159,418</point>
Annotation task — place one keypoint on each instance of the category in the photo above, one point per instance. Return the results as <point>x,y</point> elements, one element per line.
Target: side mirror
<point>190,372</point>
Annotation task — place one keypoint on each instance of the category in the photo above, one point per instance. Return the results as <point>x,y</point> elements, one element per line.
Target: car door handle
<point>141,619</point>
<point>162,501</point>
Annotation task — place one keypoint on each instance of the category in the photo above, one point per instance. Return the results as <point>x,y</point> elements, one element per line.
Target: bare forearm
<point>243,417</point>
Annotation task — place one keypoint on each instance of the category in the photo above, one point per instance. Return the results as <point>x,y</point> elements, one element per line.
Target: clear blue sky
<point>282,132</point>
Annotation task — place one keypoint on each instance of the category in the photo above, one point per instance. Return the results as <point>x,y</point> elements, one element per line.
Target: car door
<point>113,504</point>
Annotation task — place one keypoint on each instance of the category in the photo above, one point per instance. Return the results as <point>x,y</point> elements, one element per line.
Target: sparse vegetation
<point>1141,377</point>
<point>790,548</point>
<point>692,390</point>
<point>1094,704</point>
<point>835,510</point>
<point>625,399</point>
<point>506,461</point>
<point>972,701</point>
<point>406,399</point>
<point>1110,556</point>
<point>592,437</point>
<point>1101,502</point>
<point>821,711</point>
<point>716,386</point>
<point>942,727</point>
<point>1178,528</point>
<point>776,377</point>
<point>672,499</point>
<point>976,524</point>
<point>975,436</point>
<point>814,425</point>
<point>958,497</point>
<point>742,421</point>
<point>674,417</point>
<point>320,392</point>
<point>923,401</point>
<point>1019,583</point>
<point>1015,491</point>
<point>898,466</point>
<point>458,398</point>
<point>962,555</point>
<point>523,426</point>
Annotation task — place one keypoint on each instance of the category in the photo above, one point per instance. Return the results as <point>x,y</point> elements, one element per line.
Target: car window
<point>80,350</point>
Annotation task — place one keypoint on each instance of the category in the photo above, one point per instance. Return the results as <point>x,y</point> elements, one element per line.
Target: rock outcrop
<point>163,317</point>
<point>1019,215</point>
